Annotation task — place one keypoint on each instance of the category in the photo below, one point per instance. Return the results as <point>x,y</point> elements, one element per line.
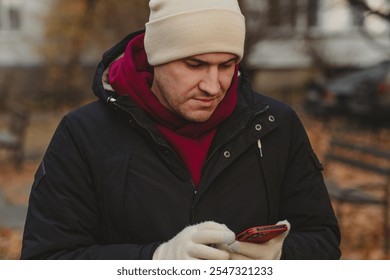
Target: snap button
<point>258,127</point>
<point>271,118</point>
<point>226,154</point>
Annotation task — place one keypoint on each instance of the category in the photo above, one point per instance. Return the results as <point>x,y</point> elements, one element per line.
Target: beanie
<point>182,28</point>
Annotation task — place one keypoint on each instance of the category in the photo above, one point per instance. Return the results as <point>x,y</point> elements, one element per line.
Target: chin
<point>202,116</point>
<point>198,119</point>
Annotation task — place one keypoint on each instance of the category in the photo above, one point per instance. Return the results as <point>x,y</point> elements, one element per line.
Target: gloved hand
<point>270,250</point>
<point>197,242</point>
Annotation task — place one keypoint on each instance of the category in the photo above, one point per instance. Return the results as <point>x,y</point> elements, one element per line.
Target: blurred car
<point>362,94</point>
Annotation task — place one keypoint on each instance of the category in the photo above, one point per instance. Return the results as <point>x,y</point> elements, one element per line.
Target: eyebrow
<point>234,59</point>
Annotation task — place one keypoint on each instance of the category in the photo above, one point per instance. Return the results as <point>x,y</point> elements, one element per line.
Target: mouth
<point>205,101</point>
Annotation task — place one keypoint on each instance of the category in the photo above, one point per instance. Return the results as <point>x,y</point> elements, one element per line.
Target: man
<point>178,156</point>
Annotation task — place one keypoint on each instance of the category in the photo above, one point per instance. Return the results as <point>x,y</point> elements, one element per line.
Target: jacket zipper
<point>112,101</point>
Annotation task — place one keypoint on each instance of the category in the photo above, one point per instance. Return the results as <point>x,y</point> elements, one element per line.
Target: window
<point>312,13</point>
<point>292,14</point>
<point>282,13</point>
<point>10,15</point>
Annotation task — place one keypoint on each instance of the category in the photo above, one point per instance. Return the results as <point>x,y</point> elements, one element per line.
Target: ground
<point>362,237</point>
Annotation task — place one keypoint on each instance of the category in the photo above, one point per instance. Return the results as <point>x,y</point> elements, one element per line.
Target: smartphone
<point>261,234</point>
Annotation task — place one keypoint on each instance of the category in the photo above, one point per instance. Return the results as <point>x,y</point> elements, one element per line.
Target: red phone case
<point>261,234</point>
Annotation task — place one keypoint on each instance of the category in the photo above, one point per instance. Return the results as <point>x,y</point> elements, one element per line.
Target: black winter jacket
<point>111,187</point>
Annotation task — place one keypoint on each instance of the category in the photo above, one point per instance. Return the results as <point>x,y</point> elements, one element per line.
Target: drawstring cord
<point>260,147</point>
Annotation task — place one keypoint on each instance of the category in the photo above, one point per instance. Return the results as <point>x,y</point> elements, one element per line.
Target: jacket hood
<point>100,86</point>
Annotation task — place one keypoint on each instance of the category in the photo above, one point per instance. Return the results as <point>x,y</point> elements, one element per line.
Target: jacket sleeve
<point>306,204</point>
<point>63,215</point>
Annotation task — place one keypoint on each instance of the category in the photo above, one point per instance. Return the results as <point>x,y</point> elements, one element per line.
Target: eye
<point>226,65</point>
<point>194,64</point>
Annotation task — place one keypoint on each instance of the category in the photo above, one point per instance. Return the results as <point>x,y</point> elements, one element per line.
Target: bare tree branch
<point>362,5</point>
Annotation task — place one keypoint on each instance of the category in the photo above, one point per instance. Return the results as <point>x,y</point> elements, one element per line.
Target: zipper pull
<point>110,99</point>
<point>260,147</point>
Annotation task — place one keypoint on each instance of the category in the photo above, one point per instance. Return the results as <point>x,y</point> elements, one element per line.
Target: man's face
<point>193,87</point>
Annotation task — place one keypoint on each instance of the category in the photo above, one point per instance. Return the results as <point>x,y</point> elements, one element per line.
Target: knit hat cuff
<point>187,34</point>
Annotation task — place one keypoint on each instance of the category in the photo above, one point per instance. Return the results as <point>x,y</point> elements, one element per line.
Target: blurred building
<point>21,24</point>
<point>299,39</point>
<point>21,31</point>
<point>294,39</point>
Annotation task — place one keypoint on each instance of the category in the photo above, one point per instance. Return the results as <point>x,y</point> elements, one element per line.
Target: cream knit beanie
<point>183,28</point>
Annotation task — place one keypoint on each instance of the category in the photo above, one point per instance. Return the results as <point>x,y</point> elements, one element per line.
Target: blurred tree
<point>76,33</point>
<point>377,11</point>
<point>367,9</point>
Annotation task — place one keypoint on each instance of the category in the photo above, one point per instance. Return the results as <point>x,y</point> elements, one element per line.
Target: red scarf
<point>132,75</point>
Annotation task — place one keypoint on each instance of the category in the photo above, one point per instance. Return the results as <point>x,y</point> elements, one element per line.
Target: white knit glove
<point>197,242</point>
<point>270,250</point>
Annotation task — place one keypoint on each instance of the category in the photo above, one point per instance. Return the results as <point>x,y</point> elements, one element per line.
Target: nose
<point>210,82</point>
